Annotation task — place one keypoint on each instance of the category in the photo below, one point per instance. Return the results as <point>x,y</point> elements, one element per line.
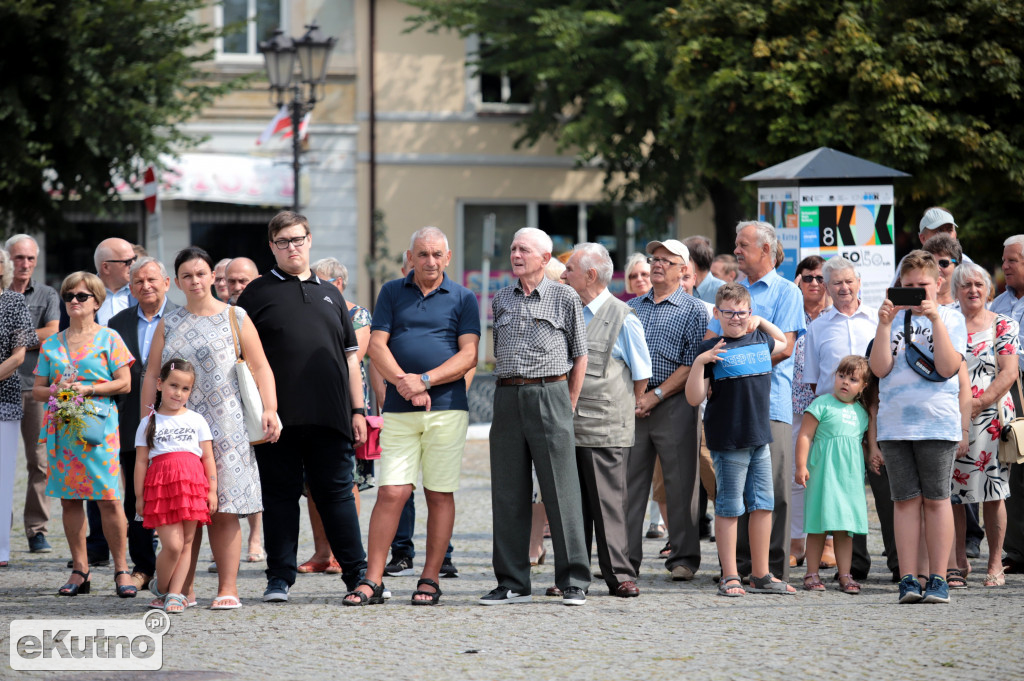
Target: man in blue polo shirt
<point>424,338</point>
<point>780,302</point>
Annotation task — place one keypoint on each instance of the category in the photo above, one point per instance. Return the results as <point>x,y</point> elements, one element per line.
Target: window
<point>253,20</point>
<point>488,92</point>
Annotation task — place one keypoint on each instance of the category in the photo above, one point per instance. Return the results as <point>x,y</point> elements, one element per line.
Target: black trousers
<point>140,540</point>
<point>328,459</point>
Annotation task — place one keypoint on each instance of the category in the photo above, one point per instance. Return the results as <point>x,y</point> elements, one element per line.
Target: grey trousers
<point>603,484</point>
<point>778,551</point>
<point>533,423</point>
<point>671,433</point>
<point>37,504</point>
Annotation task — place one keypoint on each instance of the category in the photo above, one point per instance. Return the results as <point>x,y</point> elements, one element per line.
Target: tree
<point>688,99</point>
<point>93,91</point>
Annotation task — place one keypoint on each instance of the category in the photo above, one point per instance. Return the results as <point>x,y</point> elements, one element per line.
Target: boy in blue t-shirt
<point>737,367</point>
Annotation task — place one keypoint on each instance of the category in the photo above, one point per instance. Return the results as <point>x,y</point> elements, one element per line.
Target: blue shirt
<point>630,345</point>
<point>673,329</point>
<point>779,301</point>
<point>1009,304</point>
<point>707,289</point>
<point>424,334</point>
<point>146,329</point>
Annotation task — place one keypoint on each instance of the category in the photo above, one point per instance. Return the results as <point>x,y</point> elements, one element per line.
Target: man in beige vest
<point>618,368</point>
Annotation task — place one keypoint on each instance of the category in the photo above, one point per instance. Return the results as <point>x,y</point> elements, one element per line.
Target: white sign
<point>89,645</point>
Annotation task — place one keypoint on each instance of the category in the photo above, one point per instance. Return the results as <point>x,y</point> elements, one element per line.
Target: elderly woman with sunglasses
<point>92,361</point>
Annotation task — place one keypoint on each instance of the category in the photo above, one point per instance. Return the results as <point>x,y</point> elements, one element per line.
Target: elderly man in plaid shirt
<point>540,344</point>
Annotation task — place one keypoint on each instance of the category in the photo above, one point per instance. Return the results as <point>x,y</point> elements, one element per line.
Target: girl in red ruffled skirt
<point>175,478</point>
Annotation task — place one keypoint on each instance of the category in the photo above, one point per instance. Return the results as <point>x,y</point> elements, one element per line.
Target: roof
<point>824,164</point>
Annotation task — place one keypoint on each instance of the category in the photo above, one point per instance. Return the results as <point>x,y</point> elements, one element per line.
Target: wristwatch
<point>426,380</point>
<point>359,410</point>
<point>658,394</point>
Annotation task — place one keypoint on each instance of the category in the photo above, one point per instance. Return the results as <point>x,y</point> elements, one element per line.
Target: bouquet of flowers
<point>68,408</point>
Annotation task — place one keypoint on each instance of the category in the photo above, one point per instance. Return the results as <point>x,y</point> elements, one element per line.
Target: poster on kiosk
<point>855,222</point>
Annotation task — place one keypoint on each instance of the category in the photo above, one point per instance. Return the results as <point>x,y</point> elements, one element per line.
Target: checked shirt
<point>673,328</point>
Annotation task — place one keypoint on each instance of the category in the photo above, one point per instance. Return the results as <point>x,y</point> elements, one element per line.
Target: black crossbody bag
<point>921,363</point>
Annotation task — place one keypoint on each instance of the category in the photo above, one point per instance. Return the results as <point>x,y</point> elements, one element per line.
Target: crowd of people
<point>718,381</point>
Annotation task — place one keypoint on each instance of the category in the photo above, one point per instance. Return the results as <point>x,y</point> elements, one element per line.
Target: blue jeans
<point>402,546</point>
<point>744,478</point>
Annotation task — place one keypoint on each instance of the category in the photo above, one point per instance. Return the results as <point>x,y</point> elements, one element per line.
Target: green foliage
<point>690,98</point>
<point>92,91</point>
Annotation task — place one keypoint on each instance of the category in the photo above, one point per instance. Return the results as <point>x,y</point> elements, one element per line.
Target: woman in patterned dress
<point>94,361</point>
<point>200,332</point>
<point>992,339</point>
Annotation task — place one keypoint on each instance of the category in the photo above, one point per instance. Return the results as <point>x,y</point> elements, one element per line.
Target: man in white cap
<point>674,325</point>
<point>936,220</point>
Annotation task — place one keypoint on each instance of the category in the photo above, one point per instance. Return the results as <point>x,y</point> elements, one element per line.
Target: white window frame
<point>474,92</point>
<point>252,54</point>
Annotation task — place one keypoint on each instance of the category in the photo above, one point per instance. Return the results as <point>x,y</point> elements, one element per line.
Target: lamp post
<point>305,87</point>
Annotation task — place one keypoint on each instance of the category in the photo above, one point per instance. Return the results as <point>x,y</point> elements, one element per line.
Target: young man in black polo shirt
<point>311,346</point>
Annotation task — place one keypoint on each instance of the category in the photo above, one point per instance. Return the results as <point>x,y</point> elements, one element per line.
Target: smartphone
<point>910,297</point>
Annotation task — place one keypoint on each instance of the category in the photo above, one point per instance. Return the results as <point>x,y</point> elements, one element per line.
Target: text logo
<point>89,645</point>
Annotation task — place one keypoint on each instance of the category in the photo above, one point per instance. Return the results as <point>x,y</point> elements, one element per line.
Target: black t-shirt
<point>305,330</point>
<point>736,416</point>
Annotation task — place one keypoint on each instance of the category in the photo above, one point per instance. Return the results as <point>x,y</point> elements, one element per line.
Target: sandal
<point>256,556</point>
<point>175,603</point>
<point>731,591</point>
<point>124,590</point>
<point>850,586</point>
<point>769,585</point>
<point>956,579</point>
<point>225,603</point>
<point>812,582</point>
<point>375,598</point>
<point>72,589</point>
<point>666,550</point>
<point>996,579</point>
<point>435,595</point>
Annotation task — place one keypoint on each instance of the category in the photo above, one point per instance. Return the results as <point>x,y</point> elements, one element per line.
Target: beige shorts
<point>429,441</point>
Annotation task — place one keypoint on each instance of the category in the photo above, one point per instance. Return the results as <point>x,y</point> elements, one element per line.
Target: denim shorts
<point>744,481</point>
<point>919,468</point>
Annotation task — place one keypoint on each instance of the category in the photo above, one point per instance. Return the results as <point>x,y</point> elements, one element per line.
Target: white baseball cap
<point>935,218</point>
<point>672,246</point>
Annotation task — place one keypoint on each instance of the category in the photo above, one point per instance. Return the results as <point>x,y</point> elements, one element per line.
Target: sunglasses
<point>808,278</point>
<point>944,263</point>
<point>127,262</point>
<point>80,297</point>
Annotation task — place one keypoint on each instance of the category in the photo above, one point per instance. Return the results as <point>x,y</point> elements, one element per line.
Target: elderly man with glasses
<point>113,259</point>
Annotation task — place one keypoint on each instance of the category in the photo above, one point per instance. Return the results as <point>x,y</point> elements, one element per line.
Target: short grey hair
<point>223,262</point>
<point>970,270</point>
<point>142,262</point>
<point>428,231</point>
<point>765,233</point>
<point>539,238</point>
<point>8,272</point>
<point>18,238</point>
<point>595,256</point>
<point>331,268</point>
<point>553,270</point>
<point>837,264</point>
<point>1015,240</point>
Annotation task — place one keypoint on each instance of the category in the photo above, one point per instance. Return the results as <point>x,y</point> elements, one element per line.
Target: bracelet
<point>359,410</point>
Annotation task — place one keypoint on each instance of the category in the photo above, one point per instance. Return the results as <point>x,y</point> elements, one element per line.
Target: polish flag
<point>303,127</point>
<point>279,122</point>
<point>149,189</point>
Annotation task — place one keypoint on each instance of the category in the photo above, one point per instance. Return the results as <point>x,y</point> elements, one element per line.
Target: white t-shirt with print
<point>181,433</point>
<point>910,406</point>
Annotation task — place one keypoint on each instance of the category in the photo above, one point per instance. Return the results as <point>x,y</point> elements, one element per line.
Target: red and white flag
<point>303,127</point>
<point>149,189</point>
<point>278,123</point>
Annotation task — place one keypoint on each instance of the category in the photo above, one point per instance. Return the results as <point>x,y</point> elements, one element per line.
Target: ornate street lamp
<point>305,88</point>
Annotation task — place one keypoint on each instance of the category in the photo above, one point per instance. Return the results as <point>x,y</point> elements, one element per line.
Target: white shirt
<point>833,336</point>
<point>115,301</point>
<point>180,433</point>
<point>1009,304</point>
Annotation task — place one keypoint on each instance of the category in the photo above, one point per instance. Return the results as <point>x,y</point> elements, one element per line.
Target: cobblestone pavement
<point>674,630</point>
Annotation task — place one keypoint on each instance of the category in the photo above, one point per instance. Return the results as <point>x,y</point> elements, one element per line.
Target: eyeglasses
<point>283,244</point>
<point>944,263</point>
<point>737,314</point>
<point>808,278</point>
<point>126,262</point>
<point>80,297</point>
<point>664,262</point>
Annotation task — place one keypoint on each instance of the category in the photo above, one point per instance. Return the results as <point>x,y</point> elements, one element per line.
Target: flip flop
<point>256,556</point>
<point>225,603</point>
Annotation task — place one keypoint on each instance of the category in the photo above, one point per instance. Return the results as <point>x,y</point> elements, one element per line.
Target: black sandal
<point>124,590</point>
<point>435,595</point>
<point>71,589</point>
<point>376,598</point>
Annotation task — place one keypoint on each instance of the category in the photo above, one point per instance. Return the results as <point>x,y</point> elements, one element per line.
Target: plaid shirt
<point>538,334</point>
<point>674,328</point>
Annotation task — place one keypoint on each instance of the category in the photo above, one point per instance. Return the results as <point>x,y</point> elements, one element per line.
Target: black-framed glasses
<point>283,244</point>
<point>127,262</point>
<point>944,262</point>
<point>665,262</point>
<point>737,314</point>
<point>80,297</point>
<point>808,278</point>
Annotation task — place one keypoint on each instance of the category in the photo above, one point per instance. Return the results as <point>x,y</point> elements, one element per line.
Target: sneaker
<point>38,543</point>
<point>399,567</point>
<point>973,548</point>
<point>212,567</point>
<point>936,590</point>
<point>910,589</point>
<point>503,595</point>
<point>277,591</point>
<point>386,593</point>
<point>448,570</point>
<point>573,595</point>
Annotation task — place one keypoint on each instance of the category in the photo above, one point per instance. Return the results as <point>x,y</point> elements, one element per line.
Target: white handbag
<point>252,402</point>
